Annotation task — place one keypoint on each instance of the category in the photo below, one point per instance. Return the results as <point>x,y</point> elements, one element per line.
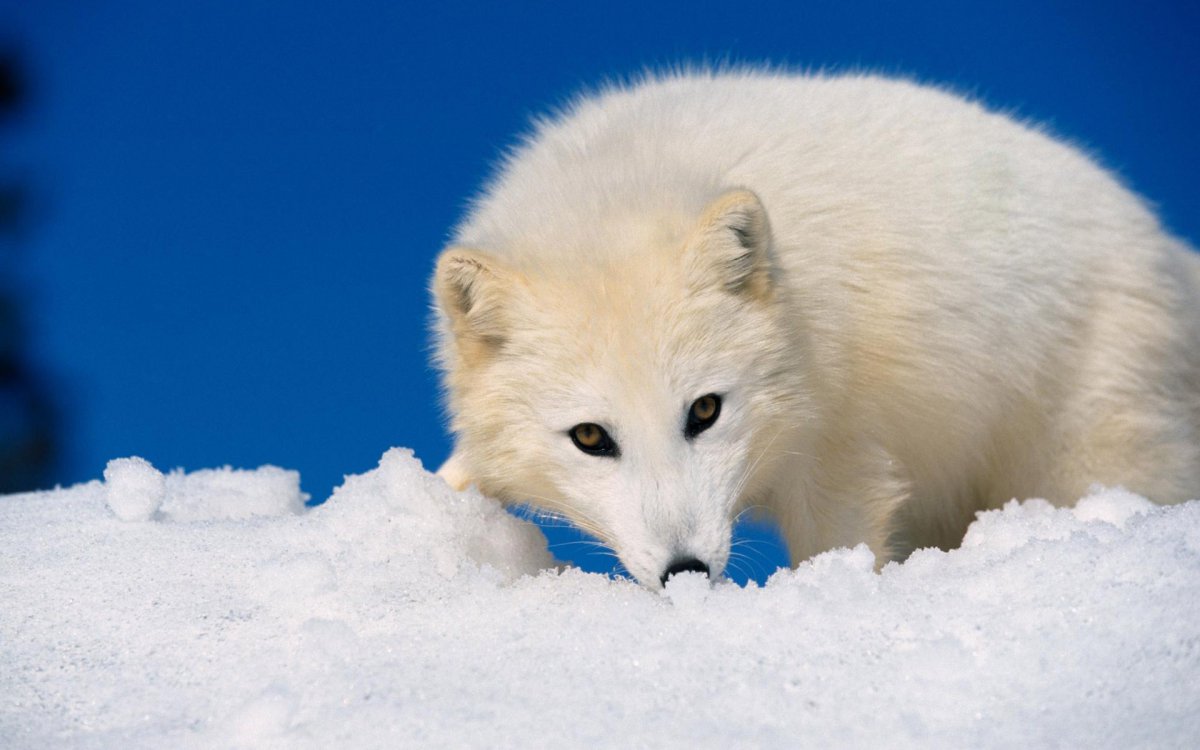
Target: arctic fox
<point>866,306</point>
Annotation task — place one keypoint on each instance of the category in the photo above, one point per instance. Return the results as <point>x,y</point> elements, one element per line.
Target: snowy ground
<point>212,609</point>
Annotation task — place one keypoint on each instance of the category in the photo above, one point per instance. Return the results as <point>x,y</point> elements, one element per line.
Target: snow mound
<point>402,613</point>
<point>136,491</point>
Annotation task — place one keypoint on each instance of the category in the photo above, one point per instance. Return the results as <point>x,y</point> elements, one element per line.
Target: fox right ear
<point>731,246</point>
<point>469,288</point>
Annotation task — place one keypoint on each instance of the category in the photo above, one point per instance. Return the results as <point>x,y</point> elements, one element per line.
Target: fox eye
<point>702,414</point>
<point>593,440</point>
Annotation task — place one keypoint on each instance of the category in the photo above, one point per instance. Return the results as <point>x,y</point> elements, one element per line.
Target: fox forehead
<point>600,344</point>
<point>627,322</point>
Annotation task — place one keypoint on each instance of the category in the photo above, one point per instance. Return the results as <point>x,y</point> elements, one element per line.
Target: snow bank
<point>211,609</point>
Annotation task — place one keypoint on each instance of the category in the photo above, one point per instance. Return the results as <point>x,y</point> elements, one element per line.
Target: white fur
<point>914,308</point>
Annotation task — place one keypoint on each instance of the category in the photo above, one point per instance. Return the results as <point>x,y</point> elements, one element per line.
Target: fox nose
<point>683,565</point>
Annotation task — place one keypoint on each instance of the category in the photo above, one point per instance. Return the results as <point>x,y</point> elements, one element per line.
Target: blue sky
<point>240,202</point>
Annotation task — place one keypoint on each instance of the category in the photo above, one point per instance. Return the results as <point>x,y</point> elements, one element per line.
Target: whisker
<point>597,547</point>
<point>756,564</point>
<point>750,509</point>
<point>751,544</point>
<point>620,571</point>
<point>749,472</point>
<point>555,517</point>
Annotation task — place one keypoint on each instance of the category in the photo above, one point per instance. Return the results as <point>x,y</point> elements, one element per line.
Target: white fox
<point>868,307</point>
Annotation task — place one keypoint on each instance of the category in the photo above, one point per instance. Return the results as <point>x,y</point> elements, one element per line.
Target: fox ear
<point>470,289</point>
<point>731,246</point>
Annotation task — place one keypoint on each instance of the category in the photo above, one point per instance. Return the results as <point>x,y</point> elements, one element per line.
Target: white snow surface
<point>213,610</point>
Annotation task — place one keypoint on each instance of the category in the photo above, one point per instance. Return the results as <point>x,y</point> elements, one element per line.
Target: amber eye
<point>702,414</point>
<point>593,440</point>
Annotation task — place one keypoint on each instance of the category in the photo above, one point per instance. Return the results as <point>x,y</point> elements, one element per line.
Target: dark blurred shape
<point>28,419</point>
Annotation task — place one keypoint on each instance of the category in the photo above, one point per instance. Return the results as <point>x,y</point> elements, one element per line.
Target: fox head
<point>637,393</point>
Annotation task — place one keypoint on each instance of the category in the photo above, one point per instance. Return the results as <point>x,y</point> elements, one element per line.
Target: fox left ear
<point>731,246</point>
<point>474,290</point>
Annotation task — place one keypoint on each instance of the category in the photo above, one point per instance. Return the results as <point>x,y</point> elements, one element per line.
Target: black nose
<point>684,565</point>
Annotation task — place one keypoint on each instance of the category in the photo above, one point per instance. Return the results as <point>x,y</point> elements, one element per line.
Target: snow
<point>136,491</point>
<point>212,609</point>
<point>133,488</point>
